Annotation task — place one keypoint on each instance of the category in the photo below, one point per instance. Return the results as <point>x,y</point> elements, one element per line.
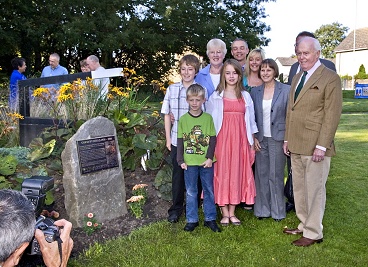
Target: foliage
<point>361,69</point>
<point>16,166</point>
<point>346,77</point>
<point>163,182</point>
<point>361,73</point>
<point>281,78</point>
<point>136,205</point>
<point>139,130</point>
<point>8,165</point>
<point>40,150</point>
<point>140,190</point>
<point>9,123</point>
<point>81,99</point>
<point>90,224</point>
<point>137,201</point>
<point>21,153</point>
<point>330,36</point>
<point>4,89</point>
<point>141,34</point>
<point>4,183</point>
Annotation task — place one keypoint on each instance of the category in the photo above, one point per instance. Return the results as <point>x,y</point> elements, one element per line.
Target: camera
<point>51,232</point>
<point>35,188</point>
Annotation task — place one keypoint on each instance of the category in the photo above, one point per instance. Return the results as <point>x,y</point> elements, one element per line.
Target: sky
<point>289,17</point>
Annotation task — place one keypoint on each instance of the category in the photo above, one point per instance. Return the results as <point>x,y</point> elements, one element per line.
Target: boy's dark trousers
<point>178,186</point>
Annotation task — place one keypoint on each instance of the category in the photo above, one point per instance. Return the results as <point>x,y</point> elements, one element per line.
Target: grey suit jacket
<point>278,110</point>
<point>313,118</point>
<point>294,68</point>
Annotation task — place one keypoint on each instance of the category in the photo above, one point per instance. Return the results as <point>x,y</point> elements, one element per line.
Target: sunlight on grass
<point>262,243</point>
<point>352,104</point>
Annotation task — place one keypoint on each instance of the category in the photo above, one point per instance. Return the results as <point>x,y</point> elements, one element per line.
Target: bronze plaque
<point>97,154</point>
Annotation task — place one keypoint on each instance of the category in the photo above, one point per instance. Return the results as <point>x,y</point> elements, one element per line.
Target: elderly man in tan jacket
<point>314,109</point>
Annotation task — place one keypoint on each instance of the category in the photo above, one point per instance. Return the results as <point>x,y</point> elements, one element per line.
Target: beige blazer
<point>313,118</point>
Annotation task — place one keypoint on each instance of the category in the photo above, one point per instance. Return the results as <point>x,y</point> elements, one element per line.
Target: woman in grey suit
<point>270,103</point>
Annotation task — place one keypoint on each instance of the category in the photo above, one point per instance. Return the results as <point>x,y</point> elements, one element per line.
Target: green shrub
<point>20,153</point>
<point>8,165</point>
<point>139,129</point>
<point>362,75</point>
<point>163,182</point>
<point>346,77</point>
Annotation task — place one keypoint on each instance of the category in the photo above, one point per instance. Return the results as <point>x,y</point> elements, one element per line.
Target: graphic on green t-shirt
<point>195,140</point>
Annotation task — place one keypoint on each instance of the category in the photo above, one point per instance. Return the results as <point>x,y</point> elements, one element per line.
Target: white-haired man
<point>313,114</point>
<point>93,63</point>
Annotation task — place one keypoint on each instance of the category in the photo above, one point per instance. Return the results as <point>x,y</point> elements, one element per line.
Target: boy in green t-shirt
<point>196,148</point>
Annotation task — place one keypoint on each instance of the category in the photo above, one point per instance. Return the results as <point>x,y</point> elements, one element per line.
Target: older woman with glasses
<point>209,77</point>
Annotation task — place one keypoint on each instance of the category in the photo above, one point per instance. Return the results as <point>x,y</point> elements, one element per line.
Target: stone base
<point>101,193</point>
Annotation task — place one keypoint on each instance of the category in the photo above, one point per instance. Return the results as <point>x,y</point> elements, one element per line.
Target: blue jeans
<point>191,185</point>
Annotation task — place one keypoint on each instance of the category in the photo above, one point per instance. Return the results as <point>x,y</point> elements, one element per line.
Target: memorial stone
<point>93,177</point>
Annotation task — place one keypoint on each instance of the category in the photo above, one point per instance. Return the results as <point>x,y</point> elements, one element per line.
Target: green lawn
<point>352,104</point>
<point>262,243</point>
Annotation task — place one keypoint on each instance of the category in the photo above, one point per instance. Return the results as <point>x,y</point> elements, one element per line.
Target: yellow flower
<point>139,79</point>
<point>64,97</point>
<point>118,91</point>
<point>155,114</point>
<point>78,81</point>
<point>40,91</point>
<point>128,72</point>
<point>15,115</point>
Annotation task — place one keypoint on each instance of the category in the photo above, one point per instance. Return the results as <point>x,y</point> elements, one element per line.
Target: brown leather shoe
<point>295,231</point>
<point>305,242</point>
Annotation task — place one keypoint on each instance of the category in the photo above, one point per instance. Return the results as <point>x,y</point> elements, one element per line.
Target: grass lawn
<point>352,104</point>
<point>262,243</point>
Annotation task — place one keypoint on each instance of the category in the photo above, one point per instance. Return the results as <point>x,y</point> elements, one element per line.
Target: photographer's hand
<point>50,251</point>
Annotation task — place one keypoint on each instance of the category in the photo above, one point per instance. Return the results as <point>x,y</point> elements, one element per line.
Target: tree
<point>330,36</point>
<point>361,73</point>
<point>139,34</point>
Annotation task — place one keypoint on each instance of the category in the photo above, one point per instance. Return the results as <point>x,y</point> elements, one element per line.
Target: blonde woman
<point>251,78</point>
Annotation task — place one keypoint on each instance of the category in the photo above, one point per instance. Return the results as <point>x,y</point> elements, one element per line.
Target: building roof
<point>361,41</point>
<point>286,61</point>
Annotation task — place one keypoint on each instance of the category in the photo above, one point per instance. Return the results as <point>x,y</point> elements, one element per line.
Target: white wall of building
<point>348,63</point>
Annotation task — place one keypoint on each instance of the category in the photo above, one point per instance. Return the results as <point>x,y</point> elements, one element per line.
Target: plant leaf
<point>42,151</point>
